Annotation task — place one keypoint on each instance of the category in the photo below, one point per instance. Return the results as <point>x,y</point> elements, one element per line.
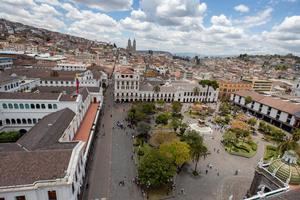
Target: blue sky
<point>205,27</point>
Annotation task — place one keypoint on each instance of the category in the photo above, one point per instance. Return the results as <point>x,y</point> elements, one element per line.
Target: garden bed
<point>270,152</point>
<point>246,149</point>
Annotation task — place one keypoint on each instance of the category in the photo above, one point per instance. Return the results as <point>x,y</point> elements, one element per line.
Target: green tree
<point>296,135</point>
<point>182,128</point>
<point>248,100</point>
<point>197,148</point>
<point>143,129</point>
<point>176,107</point>
<point>177,151</point>
<point>252,121</point>
<point>286,145</point>
<point>175,123</point>
<point>162,119</point>
<point>155,169</point>
<point>229,138</point>
<point>225,108</point>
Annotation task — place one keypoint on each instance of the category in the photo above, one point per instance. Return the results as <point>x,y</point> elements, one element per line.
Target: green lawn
<point>246,149</point>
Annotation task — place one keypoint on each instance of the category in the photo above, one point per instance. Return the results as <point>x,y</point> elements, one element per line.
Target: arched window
<point>10,106</point>
<point>34,121</point>
<point>7,121</point>
<point>49,106</point>
<point>54,106</point>
<point>27,106</point>
<point>24,121</point>
<point>4,106</point>
<point>16,106</point>
<point>37,106</point>
<point>32,106</point>
<point>29,121</point>
<point>43,106</point>
<point>18,121</point>
<point>21,106</point>
<point>13,121</point>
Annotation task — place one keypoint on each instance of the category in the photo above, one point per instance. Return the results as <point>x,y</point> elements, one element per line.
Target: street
<point>111,158</point>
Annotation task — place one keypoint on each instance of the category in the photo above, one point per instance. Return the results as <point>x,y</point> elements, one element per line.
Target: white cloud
<point>260,18</point>
<point>241,8</point>
<point>220,20</point>
<point>31,13</point>
<point>174,13</point>
<point>108,5</point>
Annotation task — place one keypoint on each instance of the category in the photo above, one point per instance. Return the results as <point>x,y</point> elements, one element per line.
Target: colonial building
<point>68,66</point>
<point>49,161</point>
<point>129,86</point>
<point>24,110</point>
<point>226,88</point>
<point>281,113</point>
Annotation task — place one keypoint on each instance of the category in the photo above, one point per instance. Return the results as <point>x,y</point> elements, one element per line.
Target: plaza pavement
<point>112,163</point>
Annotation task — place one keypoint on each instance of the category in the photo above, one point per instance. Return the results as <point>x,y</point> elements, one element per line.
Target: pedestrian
<point>206,171</point>
<point>182,191</point>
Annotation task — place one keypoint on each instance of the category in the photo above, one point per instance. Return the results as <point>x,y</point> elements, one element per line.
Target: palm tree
<point>196,91</point>
<point>288,144</point>
<point>198,150</point>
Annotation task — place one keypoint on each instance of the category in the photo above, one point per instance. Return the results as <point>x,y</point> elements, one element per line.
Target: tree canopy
<point>176,106</point>
<point>162,118</point>
<point>211,83</point>
<point>155,169</point>
<point>177,151</point>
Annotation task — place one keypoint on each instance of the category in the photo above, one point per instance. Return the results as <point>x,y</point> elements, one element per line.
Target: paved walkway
<point>111,157</point>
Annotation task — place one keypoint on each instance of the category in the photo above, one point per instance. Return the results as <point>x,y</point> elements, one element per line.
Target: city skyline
<point>202,27</point>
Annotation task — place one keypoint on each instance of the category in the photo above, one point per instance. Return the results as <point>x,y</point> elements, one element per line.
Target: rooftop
<point>38,155</point>
<point>277,103</point>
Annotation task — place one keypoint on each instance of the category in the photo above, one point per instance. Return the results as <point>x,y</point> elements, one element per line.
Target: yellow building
<point>228,87</point>
<point>259,85</point>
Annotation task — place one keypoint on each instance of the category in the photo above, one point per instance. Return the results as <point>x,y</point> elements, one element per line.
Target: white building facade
<point>129,87</point>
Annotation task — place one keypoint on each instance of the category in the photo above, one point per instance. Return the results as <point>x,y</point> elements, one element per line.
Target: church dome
<point>286,168</point>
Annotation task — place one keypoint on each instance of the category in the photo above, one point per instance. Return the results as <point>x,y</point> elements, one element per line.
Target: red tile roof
<point>83,133</point>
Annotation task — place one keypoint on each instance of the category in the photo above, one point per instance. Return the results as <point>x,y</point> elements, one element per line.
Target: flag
<point>77,86</point>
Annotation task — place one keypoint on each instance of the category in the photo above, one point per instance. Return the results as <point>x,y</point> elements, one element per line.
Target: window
<point>37,106</point>
<point>52,195</point>
<point>16,106</point>
<point>18,121</point>
<point>7,121</point>
<point>43,106</point>
<point>21,106</point>
<point>32,106</point>
<point>20,197</point>
<point>24,121</point>
<point>27,106</point>
<point>2,198</point>
<point>13,121</point>
<point>29,121</point>
<point>49,106</point>
<point>34,121</point>
<point>4,105</point>
<point>10,106</point>
<point>54,106</point>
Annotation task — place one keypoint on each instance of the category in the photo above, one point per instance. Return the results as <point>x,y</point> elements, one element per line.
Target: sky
<point>205,27</point>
